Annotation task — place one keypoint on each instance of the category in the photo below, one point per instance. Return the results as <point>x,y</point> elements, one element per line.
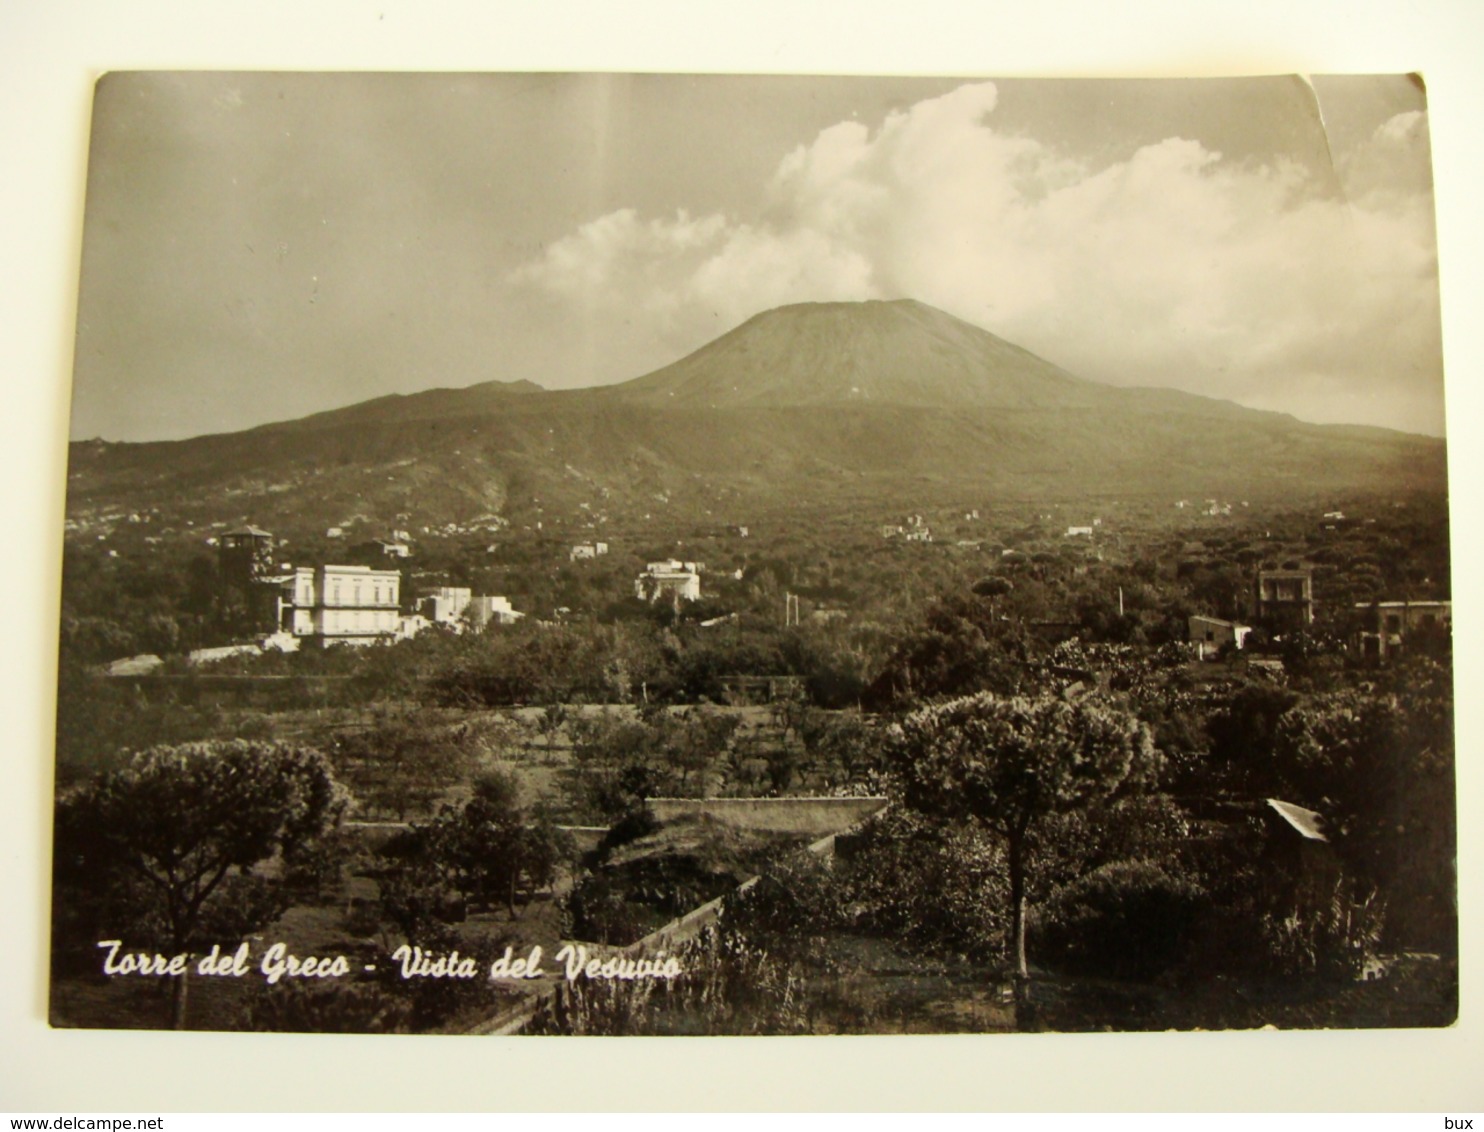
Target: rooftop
<point>1307,822</point>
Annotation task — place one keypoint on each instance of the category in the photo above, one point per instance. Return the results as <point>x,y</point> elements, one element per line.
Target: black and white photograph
<point>627,554</point>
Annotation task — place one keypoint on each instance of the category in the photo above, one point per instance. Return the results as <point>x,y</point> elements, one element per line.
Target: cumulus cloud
<point>1172,267</point>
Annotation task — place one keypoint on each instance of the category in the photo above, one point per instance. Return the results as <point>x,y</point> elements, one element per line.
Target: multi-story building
<point>1395,626</point>
<point>458,608</point>
<point>483,611</point>
<point>445,605</point>
<point>1285,598</point>
<point>340,604</point>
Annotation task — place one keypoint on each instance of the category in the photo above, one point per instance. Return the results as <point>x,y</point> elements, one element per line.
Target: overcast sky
<point>262,246</point>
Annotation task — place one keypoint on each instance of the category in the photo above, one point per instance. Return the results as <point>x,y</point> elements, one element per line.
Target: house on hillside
<point>445,605</point>
<point>680,581</point>
<point>378,548</point>
<point>487,610</point>
<point>1285,598</point>
<point>456,608</point>
<point>1210,634</point>
<point>1394,627</point>
<point>340,604</point>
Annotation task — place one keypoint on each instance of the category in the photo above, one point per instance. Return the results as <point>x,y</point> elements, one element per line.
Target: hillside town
<point>643,754</point>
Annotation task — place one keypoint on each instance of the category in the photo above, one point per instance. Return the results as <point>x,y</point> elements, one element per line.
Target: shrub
<point>638,822</point>
<point>1332,940</point>
<point>1127,920</point>
<point>934,886</point>
<point>600,910</point>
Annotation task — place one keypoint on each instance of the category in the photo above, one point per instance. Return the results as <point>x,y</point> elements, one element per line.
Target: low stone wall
<point>818,817</point>
<point>584,837</point>
<point>824,817</point>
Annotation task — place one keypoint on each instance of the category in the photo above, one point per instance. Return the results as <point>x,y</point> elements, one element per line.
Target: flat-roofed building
<point>680,581</point>
<point>486,610</point>
<point>1210,634</point>
<point>340,604</point>
<point>1285,598</point>
<point>445,605</point>
<point>1396,626</point>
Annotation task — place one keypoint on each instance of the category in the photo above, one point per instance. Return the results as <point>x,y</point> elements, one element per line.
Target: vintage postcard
<point>613,554</point>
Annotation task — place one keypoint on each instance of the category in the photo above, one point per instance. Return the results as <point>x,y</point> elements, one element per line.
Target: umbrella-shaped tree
<point>173,830</point>
<point>1008,763</point>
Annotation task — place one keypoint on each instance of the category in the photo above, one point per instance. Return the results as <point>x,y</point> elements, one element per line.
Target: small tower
<point>244,555</point>
<point>244,559</point>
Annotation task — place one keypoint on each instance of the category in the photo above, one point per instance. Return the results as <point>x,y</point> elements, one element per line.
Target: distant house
<point>1396,626</point>
<point>1285,598</point>
<point>340,604</point>
<point>1210,634</point>
<point>680,581</point>
<point>483,611</point>
<point>445,605</point>
<point>1076,532</point>
<point>378,548</point>
<point>411,625</point>
<point>587,550</point>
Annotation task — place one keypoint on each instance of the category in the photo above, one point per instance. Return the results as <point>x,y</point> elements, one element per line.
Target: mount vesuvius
<point>817,400</point>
